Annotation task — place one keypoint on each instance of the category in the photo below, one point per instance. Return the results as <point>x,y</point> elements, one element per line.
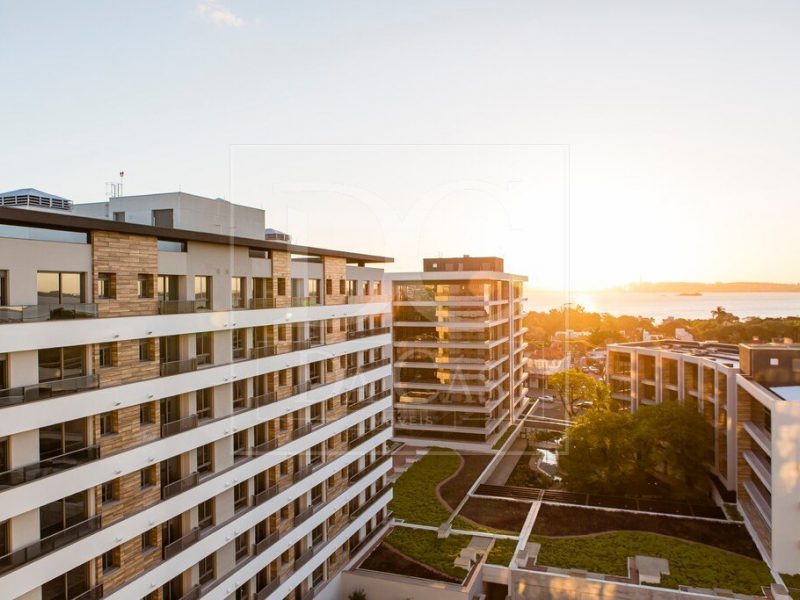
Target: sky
<point>625,141</point>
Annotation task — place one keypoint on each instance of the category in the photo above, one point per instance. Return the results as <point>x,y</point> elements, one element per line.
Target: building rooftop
<point>31,197</point>
<point>790,393</point>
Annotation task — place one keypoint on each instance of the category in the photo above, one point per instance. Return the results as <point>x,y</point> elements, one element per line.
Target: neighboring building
<point>750,394</point>
<point>186,407</point>
<point>458,351</point>
<point>540,369</point>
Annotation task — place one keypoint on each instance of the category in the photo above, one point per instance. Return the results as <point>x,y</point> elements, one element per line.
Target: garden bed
<point>690,563</point>
<point>425,547</point>
<point>563,520</point>
<point>502,552</point>
<point>415,499</point>
<point>454,489</point>
<point>388,560</point>
<point>496,515</point>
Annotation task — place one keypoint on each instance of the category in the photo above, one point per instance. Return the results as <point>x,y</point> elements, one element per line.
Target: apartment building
<point>458,352</point>
<point>750,394</point>
<point>188,407</point>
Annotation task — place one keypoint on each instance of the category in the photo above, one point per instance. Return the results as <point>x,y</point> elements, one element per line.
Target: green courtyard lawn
<point>690,563</point>
<point>502,552</point>
<point>502,439</point>
<point>415,498</point>
<point>793,584</point>
<point>424,546</point>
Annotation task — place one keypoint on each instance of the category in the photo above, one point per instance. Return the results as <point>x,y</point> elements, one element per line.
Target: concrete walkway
<point>506,465</point>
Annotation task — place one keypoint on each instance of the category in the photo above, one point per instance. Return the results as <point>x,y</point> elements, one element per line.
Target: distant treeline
<point>604,328</point>
<point>687,287</point>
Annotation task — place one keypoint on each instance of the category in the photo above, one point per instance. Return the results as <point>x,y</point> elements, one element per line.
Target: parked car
<point>546,399</point>
<point>583,404</point>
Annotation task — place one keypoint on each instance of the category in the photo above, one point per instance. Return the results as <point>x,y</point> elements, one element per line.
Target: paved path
<point>503,469</point>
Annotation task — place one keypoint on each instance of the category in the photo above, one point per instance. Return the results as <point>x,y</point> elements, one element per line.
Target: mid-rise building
<point>750,395</point>
<point>188,407</point>
<point>458,352</point>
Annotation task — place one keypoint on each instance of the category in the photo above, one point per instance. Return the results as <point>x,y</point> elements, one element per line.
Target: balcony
<point>192,594</point>
<point>365,436</point>
<point>359,475</point>
<point>351,371</point>
<point>179,426</point>
<point>760,467</point>
<point>354,335</point>
<point>305,429</point>
<point>49,389</point>
<point>179,307</point>
<point>66,536</point>
<point>307,513</point>
<point>181,485</point>
<point>258,303</point>
<point>239,353</point>
<point>373,499</point>
<point>49,466</point>
<point>304,301</point>
<point>268,493</point>
<point>263,351</point>
<point>47,312</point>
<point>267,590</point>
<point>268,541</point>
<point>181,543</point>
<point>366,299</point>
<point>354,406</point>
<point>307,555</point>
<point>176,367</point>
<point>264,399</point>
<point>304,472</point>
<point>93,593</point>
<point>301,345</point>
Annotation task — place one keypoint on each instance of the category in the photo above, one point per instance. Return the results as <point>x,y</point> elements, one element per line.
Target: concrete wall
<point>387,586</point>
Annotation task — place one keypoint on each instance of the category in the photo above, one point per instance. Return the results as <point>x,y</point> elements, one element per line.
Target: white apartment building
<point>187,408</point>
<point>459,376</point>
<point>750,394</point>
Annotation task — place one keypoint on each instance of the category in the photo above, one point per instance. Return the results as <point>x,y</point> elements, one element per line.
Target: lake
<point>661,305</point>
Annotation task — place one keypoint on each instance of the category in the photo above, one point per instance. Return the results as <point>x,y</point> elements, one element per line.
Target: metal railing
<point>264,399</point>
<point>192,594</point>
<point>267,590</point>
<point>304,301</point>
<point>257,303</point>
<point>48,544</point>
<point>265,495</point>
<point>367,367</point>
<point>177,307</point>
<point>181,543</point>
<point>179,426</point>
<point>263,351</point>
<point>364,299</point>
<point>93,593</point>
<point>358,405</point>
<point>48,466</point>
<point>354,335</point>
<point>239,353</point>
<point>268,541</point>
<point>48,389</point>
<point>373,499</point>
<point>371,433</point>
<point>302,430</point>
<point>369,468</point>
<point>176,367</point>
<point>176,487</point>
<point>47,312</point>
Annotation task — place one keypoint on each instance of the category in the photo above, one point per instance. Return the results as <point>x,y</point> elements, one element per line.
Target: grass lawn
<point>502,552</point>
<point>793,583</point>
<point>415,497</point>
<point>425,547</point>
<point>690,563</point>
<point>495,515</point>
<point>502,439</point>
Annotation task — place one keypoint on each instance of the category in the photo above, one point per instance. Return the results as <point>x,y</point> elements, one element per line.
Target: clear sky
<point>680,118</point>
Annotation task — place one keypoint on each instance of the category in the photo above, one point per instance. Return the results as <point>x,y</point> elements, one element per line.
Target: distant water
<point>661,305</point>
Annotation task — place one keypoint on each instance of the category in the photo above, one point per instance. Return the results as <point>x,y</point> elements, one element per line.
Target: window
<point>106,423</point>
<point>3,288</point>
<point>106,355</point>
<point>342,289</point>
<point>105,286</point>
<point>240,496</point>
<point>239,394</point>
<point>352,287</point>
<point>241,546</point>
<point>205,569</point>
<point>281,286</point>
<point>238,343</point>
<point>202,347</point>
<point>329,365</point>
<point>59,288</point>
<point>376,288</point>
<point>171,246</point>
<point>149,539</point>
<point>202,292</point>
<point>282,377</point>
<point>205,513</point>
<point>110,560</point>
<point>145,350</point>
<point>329,326</point>
<point>144,285</point>
<point>204,454</point>
<point>203,403</point>
<point>147,413</point>
<point>147,477</point>
<point>4,458</point>
<point>313,290</point>
<point>107,492</point>
<point>167,287</point>
<point>237,292</point>
<point>61,363</point>
<point>119,216</point>
<point>328,287</point>
<point>162,217</point>
<point>283,331</point>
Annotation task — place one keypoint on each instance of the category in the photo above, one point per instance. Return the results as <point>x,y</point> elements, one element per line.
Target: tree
<point>722,316</point>
<point>573,386</point>
<point>357,595</point>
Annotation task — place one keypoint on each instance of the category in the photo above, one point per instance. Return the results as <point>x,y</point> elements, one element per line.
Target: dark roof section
<point>70,222</point>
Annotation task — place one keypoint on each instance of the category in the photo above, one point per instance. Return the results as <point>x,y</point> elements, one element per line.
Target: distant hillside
<point>686,287</point>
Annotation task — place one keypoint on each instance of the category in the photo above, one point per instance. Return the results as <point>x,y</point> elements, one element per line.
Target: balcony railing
<point>93,593</point>
<point>264,399</point>
<point>268,493</point>
<point>176,487</point>
<point>46,545</point>
<point>192,594</point>
<point>256,303</point>
<point>181,543</point>
<point>268,541</point>
<point>367,367</point>
<point>354,406</point>
<point>364,299</point>
<point>301,345</point>
<point>176,367</point>
<point>177,307</point>
<point>307,513</point>
<point>239,353</point>
<point>369,468</point>
<point>305,429</point>
<point>371,433</point>
<point>304,301</point>
<point>49,466</point>
<point>47,312</point>
<point>373,499</point>
<point>306,556</point>
<point>179,426</point>
<point>267,590</point>
<point>263,351</point>
<point>49,389</point>
<point>354,335</point>
<point>307,470</point>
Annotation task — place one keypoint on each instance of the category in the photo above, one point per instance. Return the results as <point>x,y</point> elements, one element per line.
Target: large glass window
<point>63,513</point>
<point>59,288</point>
<point>167,287</point>
<point>58,439</point>
<point>61,363</point>
<point>237,292</point>
<point>202,291</point>
<point>68,585</point>
<point>203,347</point>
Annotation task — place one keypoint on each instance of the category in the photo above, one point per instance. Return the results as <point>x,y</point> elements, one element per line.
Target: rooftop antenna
<point>114,188</point>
